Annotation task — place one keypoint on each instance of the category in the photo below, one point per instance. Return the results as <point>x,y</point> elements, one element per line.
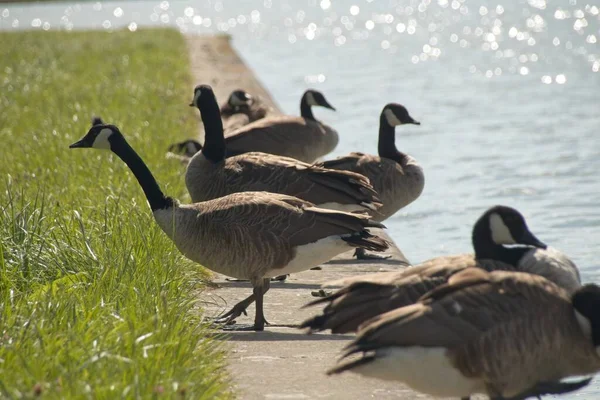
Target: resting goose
<point>303,138</point>
<point>509,335</point>
<point>396,176</point>
<point>240,109</point>
<point>363,297</point>
<point>250,235</point>
<point>210,175</point>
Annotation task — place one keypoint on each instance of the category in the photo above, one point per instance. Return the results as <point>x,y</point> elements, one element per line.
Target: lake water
<point>508,93</point>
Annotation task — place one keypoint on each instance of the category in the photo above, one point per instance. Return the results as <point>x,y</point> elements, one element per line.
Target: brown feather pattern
<point>398,183</point>
<point>364,297</point>
<point>260,231</point>
<point>206,180</point>
<point>303,139</point>
<point>509,329</point>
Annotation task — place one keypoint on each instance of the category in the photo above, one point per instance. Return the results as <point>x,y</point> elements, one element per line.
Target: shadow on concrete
<point>269,336</point>
<point>274,285</point>
<point>388,261</point>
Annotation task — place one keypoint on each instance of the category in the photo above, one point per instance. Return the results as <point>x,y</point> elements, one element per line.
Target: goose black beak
<point>530,239</point>
<point>327,105</point>
<point>79,144</point>
<point>416,123</point>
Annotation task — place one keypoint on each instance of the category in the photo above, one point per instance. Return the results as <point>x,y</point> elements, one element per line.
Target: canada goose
<point>250,235</point>
<point>303,138</point>
<point>210,175</point>
<point>242,108</point>
<point>363,297</point>
<point>509,335</point>
<point>396,176</point>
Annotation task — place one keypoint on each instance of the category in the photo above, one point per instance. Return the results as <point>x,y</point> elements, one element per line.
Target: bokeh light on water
<point>507,93</point>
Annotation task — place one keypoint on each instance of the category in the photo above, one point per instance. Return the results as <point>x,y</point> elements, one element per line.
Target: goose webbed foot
<point>321,293</point>
<point>361,254</point>
<point>240,308</point>
<point>244,327</point>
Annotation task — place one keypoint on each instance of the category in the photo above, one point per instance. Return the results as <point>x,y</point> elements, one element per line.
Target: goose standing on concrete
<point>510,335</point>
<point>303,138</point>
<point>210,175</point>
<point>396,176</point>
<point>250,235</point>
<point>363,297</point>
<point>240,109</point>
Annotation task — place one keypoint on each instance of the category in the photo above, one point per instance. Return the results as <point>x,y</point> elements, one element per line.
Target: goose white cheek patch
<point>237,101</point>
<point>310,99</point>
<point>197,94</point>
<point>101,141</point>
<point>500,232</point>
<point>391,118</point>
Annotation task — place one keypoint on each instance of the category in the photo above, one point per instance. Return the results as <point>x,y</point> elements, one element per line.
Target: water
<point>507,93</point>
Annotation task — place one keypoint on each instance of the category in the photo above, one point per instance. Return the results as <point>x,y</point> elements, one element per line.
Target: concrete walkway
<point>283,363</point>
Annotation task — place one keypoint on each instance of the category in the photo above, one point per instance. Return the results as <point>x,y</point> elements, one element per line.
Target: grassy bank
<point>94,300</point>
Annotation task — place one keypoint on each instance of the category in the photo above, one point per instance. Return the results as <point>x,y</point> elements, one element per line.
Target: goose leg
<point>257,295</point>
<point>361,254</point>
<point>259,317</point>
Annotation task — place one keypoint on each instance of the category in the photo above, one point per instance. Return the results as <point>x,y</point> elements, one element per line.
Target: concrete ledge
<point>283,363</point>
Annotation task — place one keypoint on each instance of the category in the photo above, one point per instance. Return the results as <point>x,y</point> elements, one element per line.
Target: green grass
<point>95,301</point>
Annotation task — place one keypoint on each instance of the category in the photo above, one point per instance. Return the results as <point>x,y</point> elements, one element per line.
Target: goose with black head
<point>396,176</point>
<point>211,175</point>
<point>501,240</point>
<point>250,235</point>
<point>508,335</point>
<point>303,138</point>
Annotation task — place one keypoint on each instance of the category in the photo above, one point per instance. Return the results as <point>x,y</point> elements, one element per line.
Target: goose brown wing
<point>376,294</point>
<point>471,303</point>
<point>262,171</point>
<point>234,122</point>
<point>348,163</point>
<point>268,135</point>
<point>278,222</point>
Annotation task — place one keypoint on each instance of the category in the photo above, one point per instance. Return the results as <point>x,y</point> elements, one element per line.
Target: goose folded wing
<point>472,302</point>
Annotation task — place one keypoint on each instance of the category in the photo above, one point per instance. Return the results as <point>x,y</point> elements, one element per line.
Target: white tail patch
<point>310,99</point>
<point>101,141</point>
<point>391,118</point>
<point>500,232</point>
<point>425,369</point>
<point>312,254</point>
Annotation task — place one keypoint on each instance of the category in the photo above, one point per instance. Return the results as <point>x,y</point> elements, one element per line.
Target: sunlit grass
<point>95,301</point>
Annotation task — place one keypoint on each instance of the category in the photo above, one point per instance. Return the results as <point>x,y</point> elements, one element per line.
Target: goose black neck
<point>214,141</point>
<point>305,108</point>
<point>155,196</point>
<point>485,248</point>
<point>387,141</point>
